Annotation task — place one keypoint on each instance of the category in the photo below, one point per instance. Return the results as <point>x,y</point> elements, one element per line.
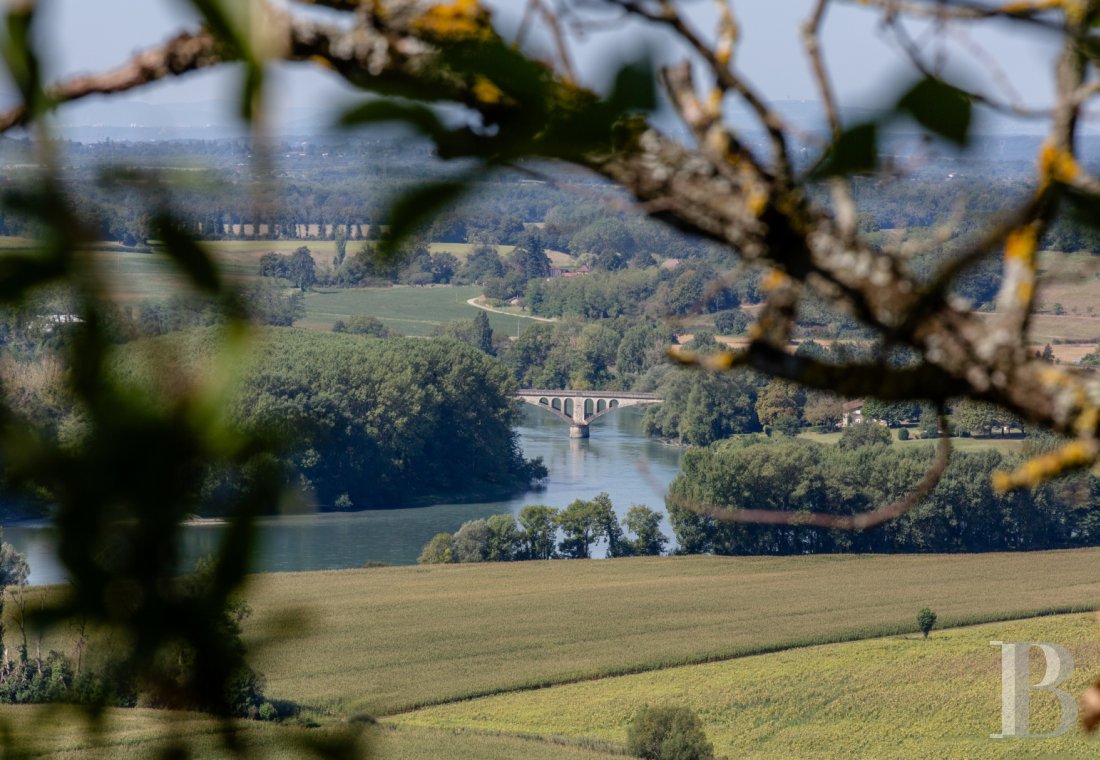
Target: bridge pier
<point>578,431</point>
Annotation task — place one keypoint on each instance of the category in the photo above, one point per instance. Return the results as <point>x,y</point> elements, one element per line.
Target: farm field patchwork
<point>131,277</point>
<point>408,310</point>
<point>898,697</point>
<point>389,639</point>
<point>385,641</point>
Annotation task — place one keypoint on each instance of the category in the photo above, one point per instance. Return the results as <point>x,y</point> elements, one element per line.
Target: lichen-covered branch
<point>184,53</point>
<point>719,189</point>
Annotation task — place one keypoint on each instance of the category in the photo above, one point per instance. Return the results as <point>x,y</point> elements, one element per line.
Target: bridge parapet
<point>581,408</point>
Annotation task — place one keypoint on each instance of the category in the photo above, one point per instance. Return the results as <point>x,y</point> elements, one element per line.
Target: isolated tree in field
<point>301,269</point>
<point>668,733</point>
<point>360,324</point>
<point>926,620</point>
<point>443,267</point>
<point>794,219</point>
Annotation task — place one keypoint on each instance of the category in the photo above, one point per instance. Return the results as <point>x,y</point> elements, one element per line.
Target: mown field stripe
<point>865,634</point>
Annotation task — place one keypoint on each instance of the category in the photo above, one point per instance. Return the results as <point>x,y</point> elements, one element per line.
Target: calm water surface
<point>618,459</point>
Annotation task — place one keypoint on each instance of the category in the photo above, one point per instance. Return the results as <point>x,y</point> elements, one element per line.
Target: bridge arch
<point>580,408</point>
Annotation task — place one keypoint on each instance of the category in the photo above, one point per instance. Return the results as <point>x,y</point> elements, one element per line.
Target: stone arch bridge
<point>581,408</point>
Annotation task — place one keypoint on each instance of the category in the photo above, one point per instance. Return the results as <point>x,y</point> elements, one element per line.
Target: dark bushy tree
<point>668,733</point>
<point>864,434</point>
<point>926,620</point>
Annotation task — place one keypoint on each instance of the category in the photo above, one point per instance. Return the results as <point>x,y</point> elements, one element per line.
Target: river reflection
<point>618,459</point>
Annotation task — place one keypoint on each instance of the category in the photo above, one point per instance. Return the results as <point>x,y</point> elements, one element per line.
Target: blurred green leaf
<point>220,21</point>
<point>188,255</point>
<point>252,91</point>
<point>854,151</point>
<point>412,209</point>
<point>21,59</point>
<point>230,22</point>
<point>634,89</point>
<point>420,118</point>
<point>590,123</point>
<point>940,108</point>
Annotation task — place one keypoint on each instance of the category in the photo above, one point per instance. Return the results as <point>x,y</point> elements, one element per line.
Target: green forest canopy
<point>366,422</point>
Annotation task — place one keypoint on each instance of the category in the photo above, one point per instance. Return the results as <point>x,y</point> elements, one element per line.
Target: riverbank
<point>612,460</point>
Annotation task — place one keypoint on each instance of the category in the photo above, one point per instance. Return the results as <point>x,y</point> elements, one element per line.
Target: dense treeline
<point>366,422</point>
<point>659,292</point>
<point>583,525</point>
<point>610,354</point>
<point>702,407</point>
<point>326,183</point>
<point>962,514</point>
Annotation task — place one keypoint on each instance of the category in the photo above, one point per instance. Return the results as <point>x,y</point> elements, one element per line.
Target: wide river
<point>618,459</point>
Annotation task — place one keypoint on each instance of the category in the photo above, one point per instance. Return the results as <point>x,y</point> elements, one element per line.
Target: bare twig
<point>726,80</point>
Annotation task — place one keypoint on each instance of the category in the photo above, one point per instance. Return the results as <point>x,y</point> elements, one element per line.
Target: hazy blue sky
<point>83,35</point>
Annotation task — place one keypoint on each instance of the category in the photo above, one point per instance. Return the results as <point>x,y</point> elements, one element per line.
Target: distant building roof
<point>670,263</point>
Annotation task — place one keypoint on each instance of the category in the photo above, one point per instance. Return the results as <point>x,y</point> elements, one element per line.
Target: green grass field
<point>391,639</point>
<point>386,641</point>
<point>898,697</point>
<point>1004,445</point>
<point>133,277</point>
<point>409,310</point>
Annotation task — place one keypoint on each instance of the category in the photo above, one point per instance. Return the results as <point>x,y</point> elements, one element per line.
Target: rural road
<point>474,302</point>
